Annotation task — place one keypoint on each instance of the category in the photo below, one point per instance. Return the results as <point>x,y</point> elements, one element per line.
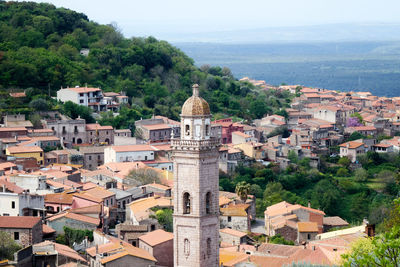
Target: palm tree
<point>242,190</point>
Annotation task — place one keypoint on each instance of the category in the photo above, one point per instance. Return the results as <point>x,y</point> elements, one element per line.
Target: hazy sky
<point>163,17</point>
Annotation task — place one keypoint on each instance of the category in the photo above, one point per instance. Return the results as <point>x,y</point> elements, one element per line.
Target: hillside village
<point>70,176</point>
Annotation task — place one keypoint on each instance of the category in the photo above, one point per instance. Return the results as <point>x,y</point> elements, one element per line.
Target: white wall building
<point>13,204</point>
<point>128,153</point>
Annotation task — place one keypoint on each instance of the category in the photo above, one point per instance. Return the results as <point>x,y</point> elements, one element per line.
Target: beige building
<point>352,149</point>
<point>195,154</point>
<point>159,244</point>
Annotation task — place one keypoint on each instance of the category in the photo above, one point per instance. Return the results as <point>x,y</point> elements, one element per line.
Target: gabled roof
<point>96,126</point>
<point>233,232</point>
<point>306,227</point>
<point>235,210</point>
<point>352,144</point>
<point>156,237</point>
<point>24,149</point>
<point>76,217</point>
<point>19,222</point>
<point>59,198</point>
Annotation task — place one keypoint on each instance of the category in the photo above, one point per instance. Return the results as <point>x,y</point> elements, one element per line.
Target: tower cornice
<point>182,144</point>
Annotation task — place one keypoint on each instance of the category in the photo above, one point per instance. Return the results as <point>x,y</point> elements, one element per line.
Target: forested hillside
<point>40,49</point>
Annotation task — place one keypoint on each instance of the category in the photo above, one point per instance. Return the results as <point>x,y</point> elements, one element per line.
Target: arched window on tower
<point>208,203</point>
<point>187,129</point>
<point>186,203</point>
<point>207,130</point>
<point>186,247</point>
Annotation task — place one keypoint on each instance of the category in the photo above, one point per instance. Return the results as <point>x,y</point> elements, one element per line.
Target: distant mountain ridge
<point>316,33</point>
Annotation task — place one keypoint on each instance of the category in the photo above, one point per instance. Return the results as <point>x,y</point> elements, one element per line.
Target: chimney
<point>313,247</point>
<point>97,249</point>
<point>309,204</point>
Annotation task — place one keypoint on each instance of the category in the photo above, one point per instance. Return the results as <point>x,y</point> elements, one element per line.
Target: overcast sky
<point>163,17</point>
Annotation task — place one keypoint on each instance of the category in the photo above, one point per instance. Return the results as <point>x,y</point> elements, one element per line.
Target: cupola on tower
<point>196,187</point>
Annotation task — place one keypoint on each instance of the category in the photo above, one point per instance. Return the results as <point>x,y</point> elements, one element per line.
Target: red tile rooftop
<point>83,89</point>
<point>19,222</point>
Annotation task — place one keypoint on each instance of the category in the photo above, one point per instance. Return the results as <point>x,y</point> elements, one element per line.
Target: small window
<point>308,236</point>
<point>208,247</point>
<point>107,202</point>
<point>186,247</point>
<point>90,157</point>
<point>153,227</point>
<point>81,94</point>
<point>13,204</point>
<point>229,218</point>
<point>98,157</point>
<point>187,129</point>
<point>111,201</point>
<point>16,235</point>
<point>208,203</point>
<point>207,130</point>
<point>81,101</point>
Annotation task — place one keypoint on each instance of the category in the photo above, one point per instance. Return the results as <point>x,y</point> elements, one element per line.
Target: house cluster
<point>85,176</point>
<point>94,98</point>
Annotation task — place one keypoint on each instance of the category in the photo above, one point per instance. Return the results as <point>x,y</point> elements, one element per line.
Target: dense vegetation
<point>337,188</point>
<point>40,49</point>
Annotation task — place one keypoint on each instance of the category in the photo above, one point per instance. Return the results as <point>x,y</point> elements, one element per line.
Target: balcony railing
<point>195,144</point>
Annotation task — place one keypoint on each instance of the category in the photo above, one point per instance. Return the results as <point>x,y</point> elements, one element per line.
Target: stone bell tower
<point>196,187</point>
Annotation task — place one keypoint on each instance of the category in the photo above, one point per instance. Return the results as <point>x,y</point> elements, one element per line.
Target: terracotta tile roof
<point>156,126</point>
<point>88,197</point>
<point>19,222</point>
<point>59,198</point>
<point>232,232</point>
<point>12,129</point>
<point>76,217</point>
<point>110,94</point>
<point>235,210</point>
<point>99,192</point>
<point>116,251</point>
<point>10,186</point>
<point>47,229</point>
<point>57,184</point>
<point>305,227</point>
<point>128,148</point>
<point>94,209</point>
<point>383,145</point>
<point>352,144</point>
<point>17,95</point>
<point>241,134</point>
<point>223,200</point>
<point>7,165</point>
<point>96,126</point>
<point>83,89</point>
<point>150,202</point>
<point>284,207</point>
<point>159,186</point>
<point>24,149</point>
<point>156,237</point>
<point>63,250</point>
<point>335,221</point>
<point>230,258</point>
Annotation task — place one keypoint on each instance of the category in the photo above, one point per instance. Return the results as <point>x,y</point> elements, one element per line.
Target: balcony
<point>195,144</point>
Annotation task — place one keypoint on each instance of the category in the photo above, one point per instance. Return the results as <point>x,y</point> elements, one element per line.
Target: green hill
<point>40,49</point>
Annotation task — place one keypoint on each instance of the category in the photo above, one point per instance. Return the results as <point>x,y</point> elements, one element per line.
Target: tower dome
<point>195,105</point>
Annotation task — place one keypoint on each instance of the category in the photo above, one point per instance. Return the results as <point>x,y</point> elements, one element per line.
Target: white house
<point>92,97</point>
<point>129,153</point>
<point>21,204</point>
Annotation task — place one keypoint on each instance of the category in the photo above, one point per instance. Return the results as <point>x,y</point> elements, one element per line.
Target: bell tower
<point>196,187</point>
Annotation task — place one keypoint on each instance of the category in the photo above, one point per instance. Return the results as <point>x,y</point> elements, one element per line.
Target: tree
<point>7,246</point>
<point>39,104</point>
<point>344,161</point>
<point>342,172</point>
<point>143,176</point>
<point>353,122</point>
<point>356,135</point>
<point>36,120</point>
<point>164,218</point>
<point>293,157</point>
<point>242,189</point>
<point>360,175</point>
<point>382,250</point>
